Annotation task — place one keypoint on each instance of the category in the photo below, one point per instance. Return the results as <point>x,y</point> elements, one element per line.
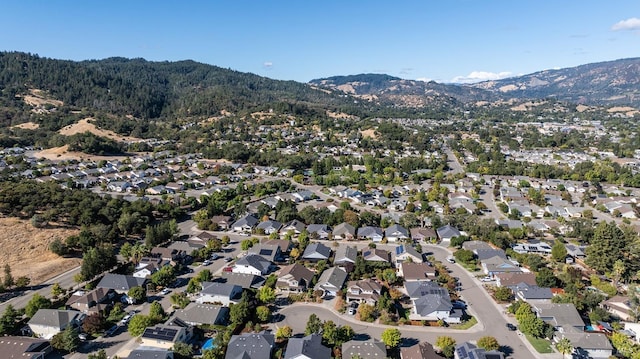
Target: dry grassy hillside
<point>26,249</point>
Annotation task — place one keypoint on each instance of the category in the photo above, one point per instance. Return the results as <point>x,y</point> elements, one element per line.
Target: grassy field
<point>543,346</point>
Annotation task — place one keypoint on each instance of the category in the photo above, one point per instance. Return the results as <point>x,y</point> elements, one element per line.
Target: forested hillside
<point>150,90</point>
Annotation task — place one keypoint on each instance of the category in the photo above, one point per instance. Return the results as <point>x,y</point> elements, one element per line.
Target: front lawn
<point>543,346</point>
<point>466,325</point>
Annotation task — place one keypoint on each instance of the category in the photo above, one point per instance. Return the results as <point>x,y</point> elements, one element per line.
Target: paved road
<point>492,320</point>
<point>452,161</point>
<point>65,280</point>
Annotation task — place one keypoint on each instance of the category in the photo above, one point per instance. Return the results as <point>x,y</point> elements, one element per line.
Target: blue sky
<point>445,40</point>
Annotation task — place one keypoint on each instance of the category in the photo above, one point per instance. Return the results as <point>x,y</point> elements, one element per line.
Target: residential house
<point>412,272</point>
<point>344,231</point>
<point>148,265</point>
<point>575,251</point>
<point>302,196</point>
<point>95,301</point>
<point>396,232</point>
<point>319,231</point>
<point>120,283</point>
<point>316,251</point>
<point>467,350</point>
<point>371,348</point>
<point>364,291</point>
<point>24,347</point>
<point>371,233</point>
<point>532,247</point>
<point>223,293</point>
<point>620,307</point>
<point>407,253</point>
<point>48,322</point>
<point>252,264</point>
<point>331,281</point>
<point>588,345</point>
<point>562,316</point>
<point>294,227</point>
<point>285,245</point>
<point>270,252</point>
<point>164,336</point>
<point>497,265</point>
<point>376,255</point>
<point>345,254</point>
<point>445,233</point>
<point>222,222</point>
<point>423,234</point>
<point>150,353</point>
<point>511,280</point>
<point>531,293</point>
<point>250,346</point>
<point>269,226</point>
<point>309,347</point>
<point>294,278</point>
<point>430,302</point>
<point>245,223</point>
<point>422,350</point>
<point>245,281</point>
<point>203,314</point>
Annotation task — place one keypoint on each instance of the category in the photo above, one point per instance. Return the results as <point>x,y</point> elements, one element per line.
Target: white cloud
<point>424,79</point>
<point>478,76</point>
<point>267,64</point>
<point>631,24</point>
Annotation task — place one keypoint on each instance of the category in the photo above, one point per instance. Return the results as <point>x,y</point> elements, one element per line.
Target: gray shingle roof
<point>250,346</point>
<point>56,318</point>
<point>309,346</point>
<point>120,282</point>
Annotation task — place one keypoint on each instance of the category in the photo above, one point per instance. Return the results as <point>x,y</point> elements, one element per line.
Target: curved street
<point>491,317</point>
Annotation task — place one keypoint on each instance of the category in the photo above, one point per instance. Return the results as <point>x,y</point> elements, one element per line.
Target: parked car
<point>214,256</point>
<point>82,336</point>
<point>458,304</point>
<point>165,291</point>
<point>111,331</point>
<point>228,259</point>
<point>450,259</point>
<point>206,262</point>
<point>352,311</point>
<point>511,327</point>
<point>486,279</point>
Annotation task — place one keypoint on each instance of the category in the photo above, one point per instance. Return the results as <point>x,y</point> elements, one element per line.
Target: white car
<point>165,291</point>
<point>486,279</point>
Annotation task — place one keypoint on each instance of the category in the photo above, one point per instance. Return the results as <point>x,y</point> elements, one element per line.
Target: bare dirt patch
<point>38,98</point>
<point>26,249</point>
<point>629,111</point>
<point>28,126</point>
<point>85,125</point>
<point>341,115</point>
<point>370,133</point>
<point>63,154</point>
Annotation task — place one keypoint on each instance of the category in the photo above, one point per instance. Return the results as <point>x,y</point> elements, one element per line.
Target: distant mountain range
<point>171,90</point>
<point>604,83</point>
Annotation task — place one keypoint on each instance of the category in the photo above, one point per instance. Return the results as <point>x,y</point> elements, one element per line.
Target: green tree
<point>266,294</point>
<point>22,282</point>
<point>546,278</point>
<point>180,299</point>
<point>345,333</point>
<point>8,278</point>
<point>391,337</point>
<point>284,332</point>
<point>366,312</point>
<point>56,290</point>
<point>263,313</point>
<point>488,343</point>
<point>138,324</point>
<point>9,320</point>
<point>330,333</point>
<point>503,294</point>
<point>559,252</point>
<point>464,255</point>
<point>182,350</point>
<point>389,275</point>
<point>67,340</point>
<point>446,344</point>
<point>608,245</point>
<point>164,276</point>
<point>314,325</point>
<point>156,312</point>
<point>564,346</point>
<point>137,293</point>
<point>101,354</point>
<point>35,303</point>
